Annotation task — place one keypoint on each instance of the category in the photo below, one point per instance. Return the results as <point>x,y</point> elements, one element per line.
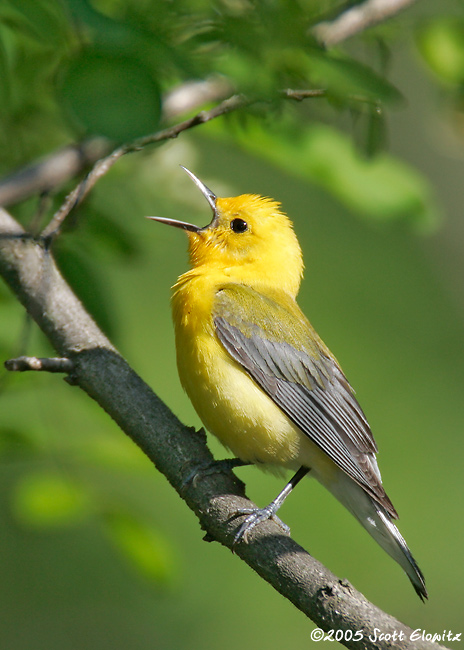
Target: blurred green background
<point>96,549</point>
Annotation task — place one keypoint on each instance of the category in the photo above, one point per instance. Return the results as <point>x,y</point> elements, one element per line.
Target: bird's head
<point>249,239</point>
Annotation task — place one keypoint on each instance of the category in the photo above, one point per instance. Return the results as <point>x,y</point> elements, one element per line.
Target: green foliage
<point>35,37</point>
<point>103,65</point>
<point>15,443</point>
<point>441,43</point>
<point>383,188</point>
<point>101,91</point>
<point>348,80</point>
<point>45,499</point>
<point>142,545</point>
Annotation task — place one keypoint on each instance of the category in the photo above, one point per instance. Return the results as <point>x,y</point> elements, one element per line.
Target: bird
<point>259,376</point>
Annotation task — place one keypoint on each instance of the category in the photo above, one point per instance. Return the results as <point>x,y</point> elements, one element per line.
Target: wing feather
<point>300,375</point>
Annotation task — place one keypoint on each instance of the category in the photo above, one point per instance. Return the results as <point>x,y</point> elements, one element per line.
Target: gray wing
<point>311,390</point>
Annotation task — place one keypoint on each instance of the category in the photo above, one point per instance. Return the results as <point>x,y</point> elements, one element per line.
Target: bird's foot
<point>257,516</point>
<point>200,471</point>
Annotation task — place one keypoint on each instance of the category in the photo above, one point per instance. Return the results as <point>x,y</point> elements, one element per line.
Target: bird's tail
<point>378,523</point>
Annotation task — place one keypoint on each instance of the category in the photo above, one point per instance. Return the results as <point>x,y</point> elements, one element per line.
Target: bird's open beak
<point>177,224</point>
<point>209,196</point>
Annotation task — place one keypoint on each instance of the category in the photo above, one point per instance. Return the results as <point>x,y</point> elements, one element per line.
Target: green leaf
<point>441,44</point>
<point>48,500</point>
<point>147,33</point>
<point>345,78</point>
<point>42,20</point>
<point>376,132</point>
<point>111,96</point>
<point>381,188</point>
<point>142,545</point>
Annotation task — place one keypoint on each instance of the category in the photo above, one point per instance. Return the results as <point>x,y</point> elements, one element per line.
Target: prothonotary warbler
<point>259,376</point>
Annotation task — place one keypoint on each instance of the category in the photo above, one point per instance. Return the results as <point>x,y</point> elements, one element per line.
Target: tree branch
<point>53,171</point>
<point>305,93</point>
<point>233,103</point>
<point>29,269</point>
<point>191,95</point>
<point>49,173</point>
<point>103,165</point>
<point>54,364</point>
<point>357,19</point>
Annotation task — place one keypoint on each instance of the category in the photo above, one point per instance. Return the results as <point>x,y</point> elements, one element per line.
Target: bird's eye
<point>238,225</point>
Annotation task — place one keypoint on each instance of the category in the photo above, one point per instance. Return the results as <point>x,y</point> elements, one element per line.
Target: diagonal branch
<point>49,173</point>
<point>229,105</point>
<point>357,19</point>
<point>54,170</point>
<point>28,268</point>
<point>102,166</point>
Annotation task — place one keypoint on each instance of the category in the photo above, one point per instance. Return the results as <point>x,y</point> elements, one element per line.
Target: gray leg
<point>258,515</point>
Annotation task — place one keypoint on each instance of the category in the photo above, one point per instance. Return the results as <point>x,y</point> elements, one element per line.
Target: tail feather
<point>378,523</point>
<point>406,561</point>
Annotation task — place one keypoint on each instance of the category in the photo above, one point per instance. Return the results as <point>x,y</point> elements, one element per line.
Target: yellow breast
<point>229,403</point>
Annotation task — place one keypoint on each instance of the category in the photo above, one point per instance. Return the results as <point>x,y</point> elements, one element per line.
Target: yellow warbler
<point>259,376</point>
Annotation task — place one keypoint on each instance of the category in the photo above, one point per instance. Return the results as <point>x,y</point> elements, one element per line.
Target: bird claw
<point>202,470</point>
<point>199,471</point>
<point>256,516</point>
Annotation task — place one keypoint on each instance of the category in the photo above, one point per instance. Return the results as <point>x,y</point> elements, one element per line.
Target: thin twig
<point>233,103</point>
<point>300,95</point>
<point>49,173</point>
<point>49,364</point>
<point>357,19</point>
<point>102,166</point>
